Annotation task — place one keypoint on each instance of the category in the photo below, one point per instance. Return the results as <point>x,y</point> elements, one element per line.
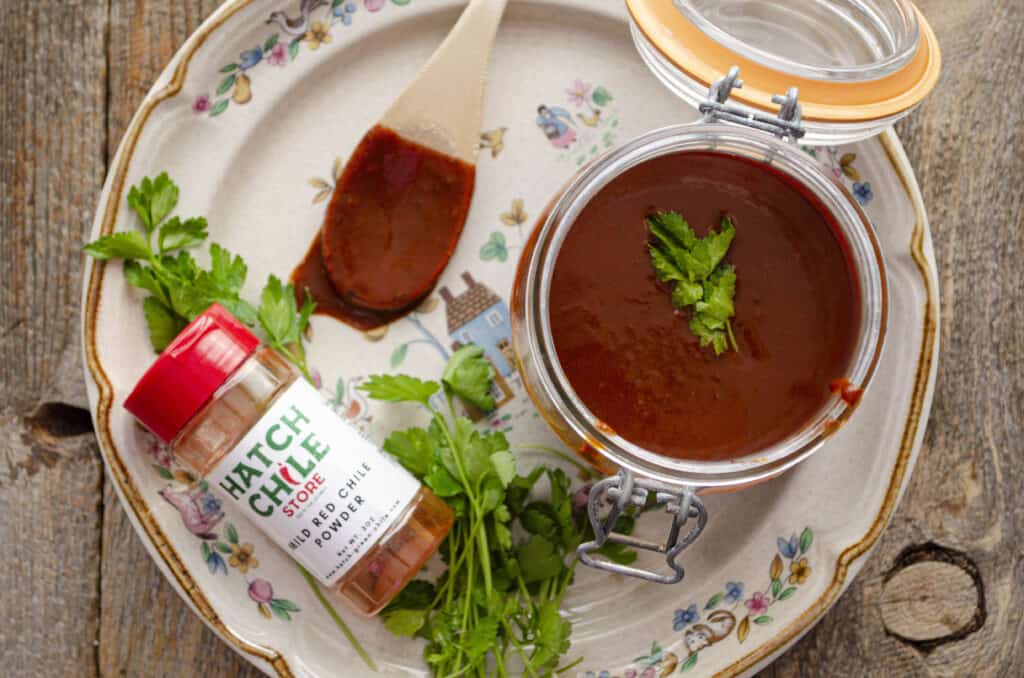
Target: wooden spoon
<point>401,203</point>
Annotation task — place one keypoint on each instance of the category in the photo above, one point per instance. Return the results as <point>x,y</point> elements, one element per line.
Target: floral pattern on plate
<point>311,25</point>
<point>716,621</point>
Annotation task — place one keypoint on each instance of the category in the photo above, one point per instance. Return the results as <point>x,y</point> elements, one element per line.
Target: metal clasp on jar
<point>625,490</point>
<point>785,125</point>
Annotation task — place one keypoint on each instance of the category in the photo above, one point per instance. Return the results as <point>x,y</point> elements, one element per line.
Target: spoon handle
<point>443,106</point>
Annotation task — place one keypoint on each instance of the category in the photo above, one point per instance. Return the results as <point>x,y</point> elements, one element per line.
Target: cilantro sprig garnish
<point>500,594</point>
<point>703,283</point>
<point>180,289</point>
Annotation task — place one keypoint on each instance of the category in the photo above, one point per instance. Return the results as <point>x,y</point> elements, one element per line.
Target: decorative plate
<point>253,118</point>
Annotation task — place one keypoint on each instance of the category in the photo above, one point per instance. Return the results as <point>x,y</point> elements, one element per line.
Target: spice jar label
<point>314,484</point>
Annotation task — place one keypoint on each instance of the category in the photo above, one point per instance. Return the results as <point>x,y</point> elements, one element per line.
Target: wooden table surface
<point>78,592</point>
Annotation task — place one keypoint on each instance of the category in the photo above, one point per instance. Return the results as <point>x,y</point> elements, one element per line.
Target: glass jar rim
<point>676,49</point>
<point>906,29</point>
<point>733,140</point>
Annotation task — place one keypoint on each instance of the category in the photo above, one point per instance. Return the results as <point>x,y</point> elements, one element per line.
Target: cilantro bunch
<point>702,282</point>
<point>179,289</point>
<point>500,595</point>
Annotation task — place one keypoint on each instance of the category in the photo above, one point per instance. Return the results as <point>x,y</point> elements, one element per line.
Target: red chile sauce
<point>630,356</point>
<point>391,227</point>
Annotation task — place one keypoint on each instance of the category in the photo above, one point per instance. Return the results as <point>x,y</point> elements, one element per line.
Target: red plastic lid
<point>189,371</point>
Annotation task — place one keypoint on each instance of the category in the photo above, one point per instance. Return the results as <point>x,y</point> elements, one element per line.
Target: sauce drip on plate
<point>630,355</point>
<point>391,227</point>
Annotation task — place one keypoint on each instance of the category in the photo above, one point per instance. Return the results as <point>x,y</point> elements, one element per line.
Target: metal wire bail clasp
<point>785,125</point>
<point>625,490</point>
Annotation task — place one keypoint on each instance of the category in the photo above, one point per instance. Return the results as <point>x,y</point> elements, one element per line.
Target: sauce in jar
<point>630,355</point>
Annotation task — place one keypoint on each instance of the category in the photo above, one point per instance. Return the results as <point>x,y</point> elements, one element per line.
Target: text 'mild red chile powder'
<point>630,355</point>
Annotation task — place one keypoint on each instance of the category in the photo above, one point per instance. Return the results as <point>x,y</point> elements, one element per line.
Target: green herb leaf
<point>417,595</point>
<point>504,464</point>
<point>399,388</point>
<point>405,622</point>
<point>122,245</point>
<point>442,482</point>
<point>469,375</point>
<point>702,283</point>
<point>552,637</point>
<point>176,234</point>
<point>480,638</point>
<point>164,325</point>
<point>277,312</point>
<point>145,278</point>
<point>413,449</point>
<point>153,200</point>
<point>539,560</point>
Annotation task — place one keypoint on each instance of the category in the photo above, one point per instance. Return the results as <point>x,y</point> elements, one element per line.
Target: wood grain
<point>52,141</point>
<point>72,74</point>
<point>966,146</point>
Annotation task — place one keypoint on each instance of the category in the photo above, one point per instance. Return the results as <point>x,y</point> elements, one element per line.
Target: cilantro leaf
<point>687,293</point>
<point>405,622</point>
<point>144,277</point>
<point>413,449</point>
<point>417,595</point>
<point>468,375</point>
<point>277,312</point>
<point>479,639</point>
<point>551,638</point>
<point>121,245</point>
<point>504,465</point>
<point>664,267</point>
<point>153,200</point>
<point>229,272</point>
<point>442,482</point>
<point>176,234</point>
<point>703,283</point>
<point>672,229</point>
<point>163,324</point>
<point>539,560</point>
<point>399,388</point>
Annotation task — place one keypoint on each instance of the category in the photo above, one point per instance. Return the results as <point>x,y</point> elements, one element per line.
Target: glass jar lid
<point>859,65</point>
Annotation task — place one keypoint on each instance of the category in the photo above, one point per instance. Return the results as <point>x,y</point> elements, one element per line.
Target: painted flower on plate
<point>209,503</point>
<point>684,618</point>
<point>733,591</point>
<point>318,34</point>
<point>261,591</point>
<point>344,12</point>
<point>862,192</point>
<point>579,92</point>
<point>374,5</point>
<point>278,55</point>
<point>799,571</point>
<point>250,58</point>
<point>757,604</point>
<point>242,558</point>
<point>201,104</point>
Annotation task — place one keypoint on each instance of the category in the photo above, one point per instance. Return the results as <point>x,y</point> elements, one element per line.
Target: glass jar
<point>216,398</point>
<point>860,65</point>
<point>849,69</point>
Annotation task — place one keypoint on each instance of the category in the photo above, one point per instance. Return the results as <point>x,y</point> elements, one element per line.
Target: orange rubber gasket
<point>703,59</point>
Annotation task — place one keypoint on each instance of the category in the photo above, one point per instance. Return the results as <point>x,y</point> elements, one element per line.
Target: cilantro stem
<point>338,621</point>
<point>519,648</point>
<point>563,669</point>
<point>732,337</point>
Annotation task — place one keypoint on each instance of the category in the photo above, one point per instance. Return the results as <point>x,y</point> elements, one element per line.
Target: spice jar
<point>238,414</point>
